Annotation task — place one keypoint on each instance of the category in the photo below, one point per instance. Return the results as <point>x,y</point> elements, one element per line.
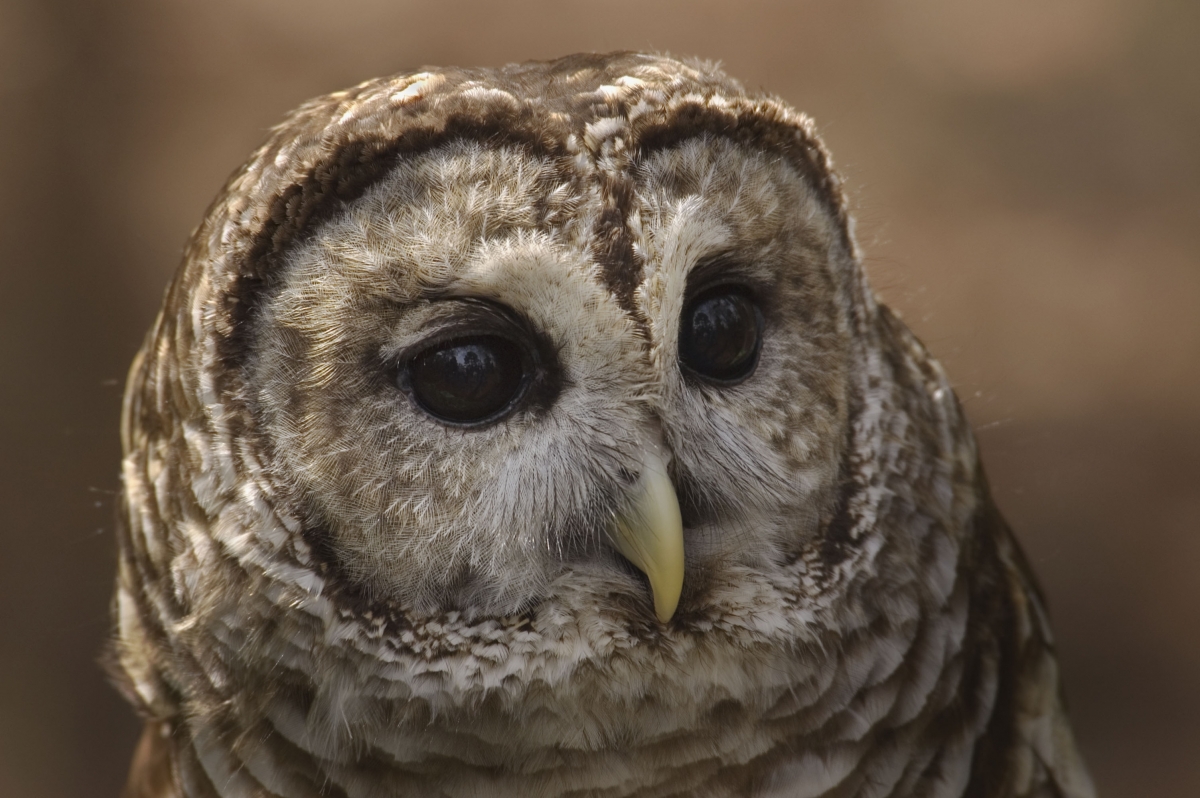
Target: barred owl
<point>534,432</point>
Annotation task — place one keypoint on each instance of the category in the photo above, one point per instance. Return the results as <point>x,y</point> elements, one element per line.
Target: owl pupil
<point>467,381</point>
<point>720,336</point>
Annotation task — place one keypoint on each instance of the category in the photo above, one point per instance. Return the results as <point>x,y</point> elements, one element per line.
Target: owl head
<point>501,411</point>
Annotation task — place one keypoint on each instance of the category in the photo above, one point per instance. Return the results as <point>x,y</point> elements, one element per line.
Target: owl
<point>533,431</point>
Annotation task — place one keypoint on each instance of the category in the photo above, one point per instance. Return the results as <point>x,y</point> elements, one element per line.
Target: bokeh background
<point>1026,177</point>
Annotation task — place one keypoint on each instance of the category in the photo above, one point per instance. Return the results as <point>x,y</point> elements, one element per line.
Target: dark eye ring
<point>720,335</point>
<point>469,381</point>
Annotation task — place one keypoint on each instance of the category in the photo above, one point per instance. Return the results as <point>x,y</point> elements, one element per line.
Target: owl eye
<point>720,335</point>
<point>468,380</point>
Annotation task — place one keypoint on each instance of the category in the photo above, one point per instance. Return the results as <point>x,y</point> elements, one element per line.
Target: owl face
<point>467,403</point>
<point>533,431</point>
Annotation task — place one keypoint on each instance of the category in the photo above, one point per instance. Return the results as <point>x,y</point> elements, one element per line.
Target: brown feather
<point>152,772</point>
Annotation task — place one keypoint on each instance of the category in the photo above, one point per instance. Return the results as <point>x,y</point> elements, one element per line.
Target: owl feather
<point>533,431</point>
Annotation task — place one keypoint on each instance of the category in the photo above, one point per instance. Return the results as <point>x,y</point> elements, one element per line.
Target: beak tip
<point>665,595</point>
<point>665,613</point>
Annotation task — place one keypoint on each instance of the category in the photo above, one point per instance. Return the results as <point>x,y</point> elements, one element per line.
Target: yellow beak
<point>648,531</point>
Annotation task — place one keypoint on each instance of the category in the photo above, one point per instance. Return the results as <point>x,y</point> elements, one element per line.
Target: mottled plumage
<point>327,588</point>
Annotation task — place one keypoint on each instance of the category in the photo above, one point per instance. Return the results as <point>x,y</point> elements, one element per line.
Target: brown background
<point>1026,176</point>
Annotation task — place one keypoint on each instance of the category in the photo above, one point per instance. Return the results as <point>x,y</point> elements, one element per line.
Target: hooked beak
<point>648,531</point>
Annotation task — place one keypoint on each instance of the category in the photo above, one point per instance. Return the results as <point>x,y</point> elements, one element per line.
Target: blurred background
<point>1026,178</point>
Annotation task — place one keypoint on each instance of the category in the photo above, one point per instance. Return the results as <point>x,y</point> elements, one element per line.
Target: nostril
<point>626,477</point>
<point>695,508</point>
<point>691,512</point>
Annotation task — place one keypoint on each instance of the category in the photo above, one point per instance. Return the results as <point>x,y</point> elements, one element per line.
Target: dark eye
<point>720,335</point>
<point>469,380</point>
